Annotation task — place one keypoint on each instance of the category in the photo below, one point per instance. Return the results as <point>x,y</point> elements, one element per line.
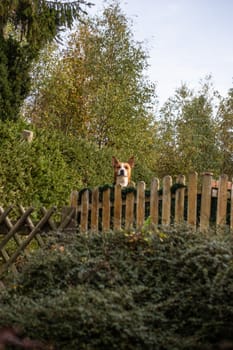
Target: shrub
<point>169,290</point>
<point>44,172</point>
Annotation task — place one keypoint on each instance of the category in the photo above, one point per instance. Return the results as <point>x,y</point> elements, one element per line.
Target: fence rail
<point>200,203</point>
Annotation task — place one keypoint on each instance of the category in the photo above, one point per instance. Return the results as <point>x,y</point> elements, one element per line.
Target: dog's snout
<point>122,172</point>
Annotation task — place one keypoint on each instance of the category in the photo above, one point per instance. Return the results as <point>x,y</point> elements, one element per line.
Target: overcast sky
<point>186,40</point>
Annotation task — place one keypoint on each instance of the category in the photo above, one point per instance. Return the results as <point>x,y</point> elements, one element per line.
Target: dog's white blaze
<point>122,170</point>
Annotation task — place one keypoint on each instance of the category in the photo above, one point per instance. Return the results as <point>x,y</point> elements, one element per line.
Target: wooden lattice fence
<point>18,231</point>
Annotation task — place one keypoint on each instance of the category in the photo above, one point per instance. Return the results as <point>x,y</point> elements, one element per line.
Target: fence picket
<point>106,214</point>
<point>154,202</point>
<point>140,205</point>
<point>222,200</point>
<point>166,201</point>
<point>192,199</point>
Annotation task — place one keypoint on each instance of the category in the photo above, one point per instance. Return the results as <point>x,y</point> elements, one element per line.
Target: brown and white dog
<point>122,171</point>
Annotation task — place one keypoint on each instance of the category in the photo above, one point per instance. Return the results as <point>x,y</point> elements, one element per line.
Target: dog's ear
<point>115,161</point>
<point>131,161</point>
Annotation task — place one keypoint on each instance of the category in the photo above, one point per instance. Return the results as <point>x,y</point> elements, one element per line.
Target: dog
<point>122,171</point>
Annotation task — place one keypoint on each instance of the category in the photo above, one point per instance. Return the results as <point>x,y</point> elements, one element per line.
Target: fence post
<point>140,205</point>
<point>117,208</point>
<point>166,201</point>
<point>27,135</point>
<point>95,210</point>
<point>205,201</point>
<point>222,200</point>
<point>106,210</point>
<point>192,200</point>
<point>154,202</point>
<point>179,200</point>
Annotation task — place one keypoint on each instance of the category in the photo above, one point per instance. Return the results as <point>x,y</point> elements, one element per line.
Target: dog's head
<point>122,171</point>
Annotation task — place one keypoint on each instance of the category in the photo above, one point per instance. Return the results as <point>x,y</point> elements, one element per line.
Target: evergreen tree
<point>25,27</point>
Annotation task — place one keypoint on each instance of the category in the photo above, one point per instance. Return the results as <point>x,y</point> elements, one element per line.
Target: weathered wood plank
<point>74,199</point>
<point>166,201</point>
<point>140,205</point>
<point>192,199</point>
<point>154,202</point>
<point>16,227</point>
<point>106,210</point>
<point>222,200</point>
<point>205,201</point>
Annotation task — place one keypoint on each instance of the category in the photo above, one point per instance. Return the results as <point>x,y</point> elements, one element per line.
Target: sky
<point>186,40</point>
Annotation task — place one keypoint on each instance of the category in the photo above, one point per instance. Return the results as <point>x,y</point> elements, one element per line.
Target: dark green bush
<point>168,290</point>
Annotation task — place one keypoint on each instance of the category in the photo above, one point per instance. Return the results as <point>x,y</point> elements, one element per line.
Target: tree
<point>25,27</point>
<point>225,114</point>
<point>189,127</point>
<point>98,90</point>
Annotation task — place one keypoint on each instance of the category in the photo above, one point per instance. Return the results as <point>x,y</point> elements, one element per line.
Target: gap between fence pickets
<point>206,186</point>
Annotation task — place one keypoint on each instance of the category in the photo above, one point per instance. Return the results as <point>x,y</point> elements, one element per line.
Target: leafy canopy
<point>98,90</point>
<point>188,132</point>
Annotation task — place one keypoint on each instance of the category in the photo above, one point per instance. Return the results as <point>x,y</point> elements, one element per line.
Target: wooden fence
<point>200,203</point>
<point>18,231</point>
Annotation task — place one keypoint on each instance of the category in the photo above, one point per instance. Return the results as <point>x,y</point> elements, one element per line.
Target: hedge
<point>172,289</point>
